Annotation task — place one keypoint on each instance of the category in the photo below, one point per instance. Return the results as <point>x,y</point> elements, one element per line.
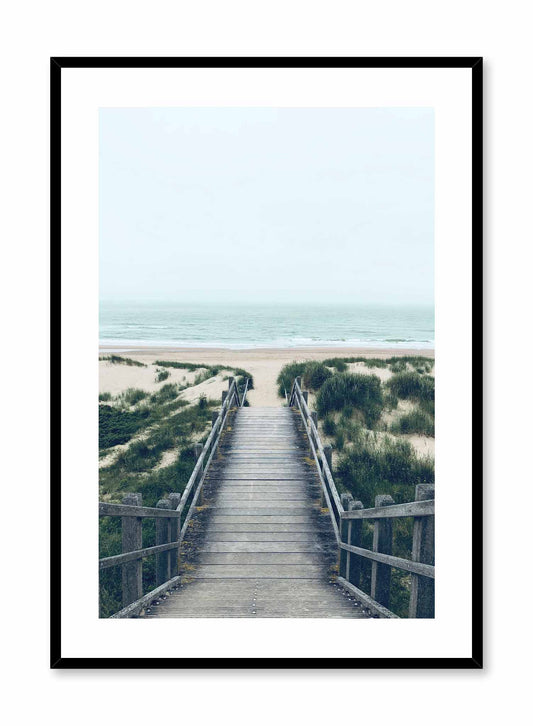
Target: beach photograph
<point>267,366</point>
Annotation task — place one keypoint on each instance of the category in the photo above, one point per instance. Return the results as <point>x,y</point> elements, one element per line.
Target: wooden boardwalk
<point>260,546</point>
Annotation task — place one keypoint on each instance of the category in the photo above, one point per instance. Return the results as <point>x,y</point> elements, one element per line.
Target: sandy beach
<point>263,363</point>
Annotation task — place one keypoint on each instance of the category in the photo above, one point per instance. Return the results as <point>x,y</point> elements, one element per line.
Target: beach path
<point>260,545</point>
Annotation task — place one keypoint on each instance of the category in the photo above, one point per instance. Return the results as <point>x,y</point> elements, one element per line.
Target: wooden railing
<point>168,514</point>
<point>347,516</point>
<point>243,397</point>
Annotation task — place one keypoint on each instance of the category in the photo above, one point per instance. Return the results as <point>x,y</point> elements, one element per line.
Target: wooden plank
<point>399,562</point>
<point>135,607</point>
<point>263,519</point>
<point>260,571</point>
<point>309,546</point>
<point>262,527</point>
<point>115,560</point>
<point>366,600</point>
<point>410,509</point>
<point>242,505</point>
<point>261,559</point>
<point>123,510</point>
<point>307,538</point>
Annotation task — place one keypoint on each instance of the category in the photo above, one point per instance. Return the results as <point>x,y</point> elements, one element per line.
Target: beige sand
<point>263,363</point>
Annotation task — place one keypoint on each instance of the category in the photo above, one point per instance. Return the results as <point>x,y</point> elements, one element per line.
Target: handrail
<point>424,508</point>
<point>316,444</point>
<point>212,440</point>
<point>169,531</point>
<point>347,517</point>
<point>243,397</point>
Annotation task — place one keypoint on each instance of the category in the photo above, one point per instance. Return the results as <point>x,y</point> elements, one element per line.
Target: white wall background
<point>33,31</point>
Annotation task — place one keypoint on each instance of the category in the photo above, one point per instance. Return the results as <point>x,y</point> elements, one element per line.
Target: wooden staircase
<point>259,545</point>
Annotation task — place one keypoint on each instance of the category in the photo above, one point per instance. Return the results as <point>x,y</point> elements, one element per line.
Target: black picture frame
<point>475,661</point>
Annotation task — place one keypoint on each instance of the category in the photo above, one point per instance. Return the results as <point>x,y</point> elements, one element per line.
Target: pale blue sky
<point>267,204</point>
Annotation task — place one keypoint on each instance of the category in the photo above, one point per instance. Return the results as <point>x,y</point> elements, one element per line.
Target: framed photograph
<point>266,294</point>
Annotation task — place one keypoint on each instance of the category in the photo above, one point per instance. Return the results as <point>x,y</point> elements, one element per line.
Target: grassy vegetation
<point>105,396</point>
<point>415,422</point>
<point>369,461</point>
<point>185,366</point>
<point>372,466</point>
<point>287,375</point>
<point>210,371</point>
<point>337,363</point>
<point>161,375</point>
<point>396,363</point>
<point>131,396</point>
<point>315,374</point>
<point>412,386</point>
<point>164,423</point>
<point>117,426</point>
<point>360,391</point>
<point>123,361</point>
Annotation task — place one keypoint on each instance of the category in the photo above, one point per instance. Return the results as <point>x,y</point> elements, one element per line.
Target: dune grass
<point>387,466</point>
<point>161,375</point>
<point>412,386</point>
<point>131,396</point>
<point>106,396</point>
<point>315,374</point>
<point>286,376</point>
<point>118,359</point>
<point>415,422</point>
<point>359,391</point>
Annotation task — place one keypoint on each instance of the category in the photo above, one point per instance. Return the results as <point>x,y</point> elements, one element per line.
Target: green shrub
<point>117,426</point>
<point>375,363</point>
<point>166,393</point>
<point>315,374</point>
<point>337,363</point>
<point>398,366</point>
<point>389,466</point>
<point>131,396</point>
<point>117,359</point>
<point>242,374</point>
<point>162,375</point>
<point>361,391</point>
<point>287,375</point>
<point>415,422</point>
<point>106,396</point>
<point>412,386</point>
<point>176,364</point>
<point>330,426</point>
<point>138,457</point>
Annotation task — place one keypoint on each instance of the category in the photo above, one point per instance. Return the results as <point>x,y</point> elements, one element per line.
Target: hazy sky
<point>267,204</point>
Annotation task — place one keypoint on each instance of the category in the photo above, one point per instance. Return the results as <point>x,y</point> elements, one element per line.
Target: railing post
<point>346,501</point>
<point>353,561</point>
<point>132,539</point>
<point>162,528</point>
<point>224,396</point>
<point>328,452</point>
<point>174,500</point>
<point>214,418</point>
<point>305,395</point>
<point>381,574</point>
<point>198,448</point>
<point>422,600</point>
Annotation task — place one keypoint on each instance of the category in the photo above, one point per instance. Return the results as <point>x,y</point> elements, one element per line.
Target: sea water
<point>262,325</point>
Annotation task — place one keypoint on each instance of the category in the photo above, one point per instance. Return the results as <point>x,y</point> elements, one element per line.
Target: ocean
<point>261,325</point>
